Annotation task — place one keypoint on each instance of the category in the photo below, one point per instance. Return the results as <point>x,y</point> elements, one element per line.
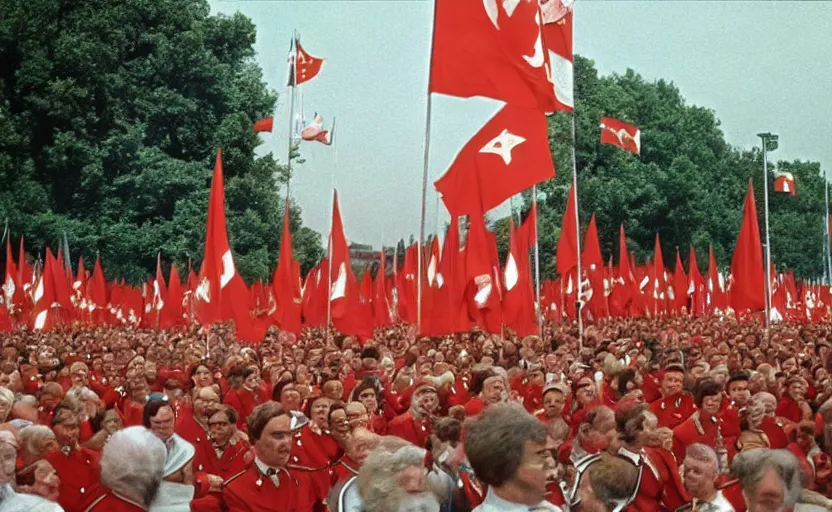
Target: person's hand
<point>215,482</point>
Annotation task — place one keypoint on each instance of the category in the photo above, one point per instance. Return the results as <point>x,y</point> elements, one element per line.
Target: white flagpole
<point>766,276</point>
<point>292,86</point>
<point>329,246</point>
<point>537,265</point>
<point>579,284</point>
<point>425,163</point>
<point>826,230</point>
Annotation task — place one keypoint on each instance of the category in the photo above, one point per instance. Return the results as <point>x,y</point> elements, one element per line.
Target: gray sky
<point>761,66</point>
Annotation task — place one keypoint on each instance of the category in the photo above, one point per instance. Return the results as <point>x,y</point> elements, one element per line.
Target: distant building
<point>363,256</point>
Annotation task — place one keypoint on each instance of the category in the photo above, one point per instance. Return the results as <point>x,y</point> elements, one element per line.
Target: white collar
<point>632,456</point>
<point>264,468</point>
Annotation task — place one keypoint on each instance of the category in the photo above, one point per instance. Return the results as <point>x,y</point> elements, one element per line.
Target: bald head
<point>361,443</point>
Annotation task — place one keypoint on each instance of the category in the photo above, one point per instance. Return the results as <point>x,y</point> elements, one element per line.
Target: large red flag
<point>567,251</point>
<point>171,314</point>
<point>43,297</point>
<point>658,288</point>
<point>696,286</point>
<point>621,134</point>
<point>622,290</point>
<point>12,290</point>
<point>306,66</point>
<point>716,295</point>
<point>286,282</point>
<point>509,154</point>
<point>592,247</point>
<point>493,49</point>
<point>381,305</point>
<point>264,125</point>
<point>557,34</point>
<point>747,289</point>
<point>221,293</point>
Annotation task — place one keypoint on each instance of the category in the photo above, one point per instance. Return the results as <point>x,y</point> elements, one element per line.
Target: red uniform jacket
<point>252,491</point>
<point>776,436</point>
<point>233,459</point>
<point>80,475</point>
<point>474,407</point>
<point>789,409</point>
<point>698,430</point>
<point>111,502</point>
<point>673,410</point>
<point>343,469</point>
<point>730,421</point>
<point>188,428</point>
<point>410,429</point>
<point>662,491</point>
<point>244,401</point>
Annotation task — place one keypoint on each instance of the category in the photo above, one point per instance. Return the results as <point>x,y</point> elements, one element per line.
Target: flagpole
<point>292,86</point>
<point>826,229</point>
<point>329,245</point>
<point>578,304</point>
<point>537,266</point>
<point>764,137</point>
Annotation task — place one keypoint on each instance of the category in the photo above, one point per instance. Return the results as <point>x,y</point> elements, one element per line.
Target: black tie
<point>271,472</point>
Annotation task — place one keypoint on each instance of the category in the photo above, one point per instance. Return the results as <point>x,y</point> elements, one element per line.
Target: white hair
<point>133,462</point>
<point>83,394</point>
<point>751,466</point>
<point>378,482</point>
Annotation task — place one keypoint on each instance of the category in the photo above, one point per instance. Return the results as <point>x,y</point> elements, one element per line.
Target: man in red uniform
<point>268,482</point>
<point>676,405</point>
<point>414,425</point>
<point>132,465</point>
<point>223,454</point>
<point>704,425</point>
<point>77,467</point>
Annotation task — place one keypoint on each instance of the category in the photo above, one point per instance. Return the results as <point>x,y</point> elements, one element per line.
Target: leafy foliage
<point>688,185</point>
<point>110,116</point>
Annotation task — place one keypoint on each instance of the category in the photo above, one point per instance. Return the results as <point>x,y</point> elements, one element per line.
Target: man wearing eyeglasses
<point>268,484</point>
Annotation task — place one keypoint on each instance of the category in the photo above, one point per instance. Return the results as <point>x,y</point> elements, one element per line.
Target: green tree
<point>687,185</point>
<point>110,116</point>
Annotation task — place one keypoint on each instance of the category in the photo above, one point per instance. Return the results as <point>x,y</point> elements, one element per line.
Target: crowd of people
<point>640,415</point>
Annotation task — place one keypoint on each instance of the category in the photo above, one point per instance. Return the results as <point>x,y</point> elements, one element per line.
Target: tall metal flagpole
<point>766,137</point>
<point>329,246</point>
<point>578,303</point>
<point>537,266</point>
<point>826,230</point>
<point>293,80</point>
<point>424,184</point>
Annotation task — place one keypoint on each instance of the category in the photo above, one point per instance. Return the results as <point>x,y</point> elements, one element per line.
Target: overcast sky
<point>760,65</point>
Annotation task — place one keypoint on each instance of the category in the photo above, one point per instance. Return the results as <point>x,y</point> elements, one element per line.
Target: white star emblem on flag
<point>502,145</point>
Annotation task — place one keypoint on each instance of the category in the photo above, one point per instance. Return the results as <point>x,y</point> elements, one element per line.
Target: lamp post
<point>770,142</point>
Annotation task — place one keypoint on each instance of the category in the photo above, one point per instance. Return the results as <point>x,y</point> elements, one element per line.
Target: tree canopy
<point>111,113</point>
<point>688,185</point>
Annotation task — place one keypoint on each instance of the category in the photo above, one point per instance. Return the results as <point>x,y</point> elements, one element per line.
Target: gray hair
<point>378,482</point>
<point>30,400</point>
<point>133,462</point>
<point>613,480</point>
<point>83,394</point>
<point>703,453</point>
<point>32,436</point>
<point>496,439</point>
<point>751,466</point>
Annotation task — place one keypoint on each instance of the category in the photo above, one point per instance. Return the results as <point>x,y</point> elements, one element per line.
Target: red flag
<point>381,305</point>
<point>12,290</point>
<point>221,293</point>
<point>696,286</point>
<point>97,293</point>
<point>784,182</point>
<point>492,49</point>
<point>171,314</point>
<point>24,270</point>
<point>591,257</point>
<point>622,289</point>
<point>509,154</point>
<point>314,131</point>
<point>43,314</point>
<point>450,312</point>
<point>315,295</point>
<point>264,125</point>
<point>518,299</point>
<point>306,66</point>
<point>658,288</point>
<point>433,263</point>
<point>557,33</point>
<point>483,280</point>
<point>567,251</point>
<point>716,295</point>
<point>680,285</point>
<point>621,134</point>
<point>747,264</point>
<point>286,282</point>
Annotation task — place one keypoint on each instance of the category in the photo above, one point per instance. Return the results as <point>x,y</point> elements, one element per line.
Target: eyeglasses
<point>367,394</point>
<point>218,423</point>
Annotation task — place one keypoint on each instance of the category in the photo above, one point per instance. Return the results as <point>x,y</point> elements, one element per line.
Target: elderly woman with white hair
<point>394,478</point>
<point>6,403</point>
<point>132,465</point>
<point>11,501</point>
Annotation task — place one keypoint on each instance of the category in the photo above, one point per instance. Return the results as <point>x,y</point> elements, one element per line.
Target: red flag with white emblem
<point>286,282</point>
<point>509,154</point>
<point>567,251</point>
<point>12,291</point>
<point>493,49</point>
<point>784,182</point>
<point>302,66</point>
<point>621,134</point>
<point>221,293</point>
<point>557,33</point>
<point>747,263</point>
<point>314,131</point>
<point>518,299</point>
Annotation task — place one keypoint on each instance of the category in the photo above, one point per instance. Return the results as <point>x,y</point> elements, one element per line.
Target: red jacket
<point>80,475</point>
<point>673,410</point>
<point>252,491</point>
<point>410,429</point>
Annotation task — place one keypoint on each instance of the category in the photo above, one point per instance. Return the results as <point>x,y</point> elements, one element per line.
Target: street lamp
<point>770,142</point>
